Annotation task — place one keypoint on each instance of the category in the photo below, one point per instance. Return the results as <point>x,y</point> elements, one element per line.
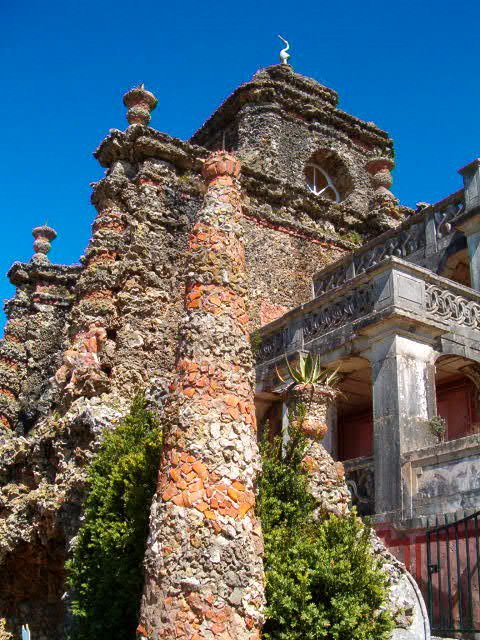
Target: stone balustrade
<point>421,239</point>
<point>391,289</point>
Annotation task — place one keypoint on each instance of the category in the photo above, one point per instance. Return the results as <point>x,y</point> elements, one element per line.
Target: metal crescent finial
<point>284,55</point>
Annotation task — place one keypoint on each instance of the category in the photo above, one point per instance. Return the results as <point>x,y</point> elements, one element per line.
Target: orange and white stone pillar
<point>204,573</point>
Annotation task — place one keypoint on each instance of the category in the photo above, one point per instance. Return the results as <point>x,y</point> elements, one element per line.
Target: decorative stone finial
<point>284,55</point>
<point>43,236</point>
<point>379,170</point>
<point>140,103</point>
<point>220,163</point>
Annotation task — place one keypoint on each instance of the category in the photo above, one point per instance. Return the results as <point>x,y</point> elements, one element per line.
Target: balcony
<point>389,331</point>
<point>338,323</point>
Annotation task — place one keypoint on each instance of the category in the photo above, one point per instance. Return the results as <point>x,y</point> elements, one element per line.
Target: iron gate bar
<point>469,575</point>
<point>463,615</point>
<point>447,546</point>
<point>478,554</point>
<point>439,574</point>
<point>430,586</point>
<point>459,577</point>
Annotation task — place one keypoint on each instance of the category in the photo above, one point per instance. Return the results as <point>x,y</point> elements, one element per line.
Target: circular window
<point>320,183</point>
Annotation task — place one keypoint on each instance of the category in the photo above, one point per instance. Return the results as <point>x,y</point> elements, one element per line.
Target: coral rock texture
<point>204,575</point>
<point>81,340</point>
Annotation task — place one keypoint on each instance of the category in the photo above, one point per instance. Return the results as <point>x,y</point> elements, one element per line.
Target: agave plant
<point>309,371</point>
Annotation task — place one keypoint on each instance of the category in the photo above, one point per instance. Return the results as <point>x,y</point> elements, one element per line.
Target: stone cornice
<point>21,273</point>
<point>297,95</point>
<point>139,142</point>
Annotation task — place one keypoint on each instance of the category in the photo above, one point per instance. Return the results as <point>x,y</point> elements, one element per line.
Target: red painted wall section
<point>456,402</point>
<point>450,596</point>
<point>355,436</point>
<point>458,405</point>
<point>410,548</point>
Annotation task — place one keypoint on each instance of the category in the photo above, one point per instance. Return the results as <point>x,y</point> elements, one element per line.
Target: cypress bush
<point>106,572</point>
<point>322,580</point>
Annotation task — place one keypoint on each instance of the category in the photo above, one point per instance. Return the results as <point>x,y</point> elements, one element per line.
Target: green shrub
<point>438,427</point>
<point>105,572</point>
<point>322,579</point>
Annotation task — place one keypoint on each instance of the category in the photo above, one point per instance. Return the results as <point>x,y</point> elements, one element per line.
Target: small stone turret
<point>34,334</point>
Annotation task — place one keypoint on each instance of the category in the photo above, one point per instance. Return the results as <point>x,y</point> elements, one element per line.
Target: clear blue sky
<point>410,66</point>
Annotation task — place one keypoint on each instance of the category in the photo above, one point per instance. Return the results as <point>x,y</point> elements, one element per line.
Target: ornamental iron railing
<point>453,574</point>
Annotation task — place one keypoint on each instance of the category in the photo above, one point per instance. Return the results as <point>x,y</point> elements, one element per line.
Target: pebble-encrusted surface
<point>204,574</point>
<point>82,340</point>
<point>42,489</point>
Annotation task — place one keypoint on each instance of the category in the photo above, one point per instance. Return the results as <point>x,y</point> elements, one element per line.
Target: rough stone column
<point>473,242</point>
<point>204,573</point>
<point>330,442</point>
<point>403,377</point>
<point>94,314</point>
<point>385,211</point>
<point>87,365</point>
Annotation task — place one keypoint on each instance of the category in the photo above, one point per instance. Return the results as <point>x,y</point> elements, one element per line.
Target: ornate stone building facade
<point>291,236</point>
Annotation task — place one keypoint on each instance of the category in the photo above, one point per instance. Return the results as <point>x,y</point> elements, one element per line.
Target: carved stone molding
<point>446,305</point>
<point>355,304</point>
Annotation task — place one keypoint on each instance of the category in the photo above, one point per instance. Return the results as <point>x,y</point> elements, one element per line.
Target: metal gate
<point>453,570</point>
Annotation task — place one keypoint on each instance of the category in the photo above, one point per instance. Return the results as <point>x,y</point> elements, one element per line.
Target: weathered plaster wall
<point>444,478</point>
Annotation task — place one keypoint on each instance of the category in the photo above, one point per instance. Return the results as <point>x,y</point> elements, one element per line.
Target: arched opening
<point>355,420</point>
<point>269,410</point>
<point>327,176</point>
<point>457,382</point>
<point>354,437</point>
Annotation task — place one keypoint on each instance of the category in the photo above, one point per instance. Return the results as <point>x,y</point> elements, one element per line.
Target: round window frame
<point>330,184</point>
